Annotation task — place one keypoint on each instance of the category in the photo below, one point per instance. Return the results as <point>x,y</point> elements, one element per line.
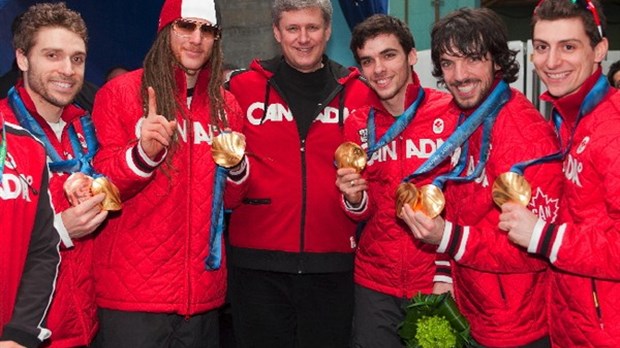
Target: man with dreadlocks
<point>499,288</point>
<point>159,265</point>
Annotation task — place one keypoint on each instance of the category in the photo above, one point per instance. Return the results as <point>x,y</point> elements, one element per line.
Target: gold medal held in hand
<point>112,200</point>
<point>80,187</point>
<point>228,149</point>
<point>350,155</point>
<point>511,187</point>
<point>432,200</point>
<point>407,193</point>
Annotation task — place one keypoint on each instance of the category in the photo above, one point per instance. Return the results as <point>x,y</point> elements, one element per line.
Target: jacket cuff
<point>140,163</point>
<point>454,240</point>
<point>546,240</point>
<point>62,231</point>
<point>240,172</point>
<point>23,338</point>
<point>357,209</point>
<point>443,272</point>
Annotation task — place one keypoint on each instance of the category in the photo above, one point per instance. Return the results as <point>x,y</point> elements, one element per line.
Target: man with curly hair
<point>50,49</point>
<point>499,288</point>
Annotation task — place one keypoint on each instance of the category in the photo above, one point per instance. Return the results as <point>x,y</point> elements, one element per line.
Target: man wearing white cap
<point>159,265</point>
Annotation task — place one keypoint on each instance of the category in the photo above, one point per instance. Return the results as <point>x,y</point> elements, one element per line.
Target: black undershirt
<point>304,92</point>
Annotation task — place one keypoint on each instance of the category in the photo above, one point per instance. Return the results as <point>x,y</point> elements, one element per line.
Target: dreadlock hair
<point>159,73</point>
<point>550,10</point>
<point>473,33</point>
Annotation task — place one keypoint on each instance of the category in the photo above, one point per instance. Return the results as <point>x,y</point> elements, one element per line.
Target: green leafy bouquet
<point>434,321</point>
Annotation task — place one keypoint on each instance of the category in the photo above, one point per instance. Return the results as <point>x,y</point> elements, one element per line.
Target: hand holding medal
<point>350,155</point>
<point>511,187</point>
<point>428,200</point>
<point>80,187</point>
<point>228,148</point>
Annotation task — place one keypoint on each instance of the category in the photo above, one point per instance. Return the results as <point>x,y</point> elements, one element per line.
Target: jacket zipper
<point>190,142</point>
<point>302,229</point>
<point>597,305</point>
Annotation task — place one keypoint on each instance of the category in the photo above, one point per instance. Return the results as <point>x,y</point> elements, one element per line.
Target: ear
<point>22,60</point>
<point>328,32</point>
<point>276,33</point>
<point>412,57</point>
<point>600,50</point>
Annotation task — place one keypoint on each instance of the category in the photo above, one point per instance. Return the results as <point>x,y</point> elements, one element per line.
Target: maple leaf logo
<point>545,207</point>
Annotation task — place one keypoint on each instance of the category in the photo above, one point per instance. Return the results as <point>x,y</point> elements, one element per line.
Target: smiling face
<point>303,36</point>
<point>563,56</point>
<point>469,79</point>
<point>53,69</point>
<point>192,48</point>
<point>387,68</point>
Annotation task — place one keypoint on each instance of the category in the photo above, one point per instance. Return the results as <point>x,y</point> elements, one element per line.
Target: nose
<point>379,67</point>
<point>66,67</point>
<point>303,35</point>
<point>196,36</point>
<point>460,71</point>
<point>553,58</point>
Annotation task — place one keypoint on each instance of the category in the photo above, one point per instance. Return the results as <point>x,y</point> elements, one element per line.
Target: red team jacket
<point>499,287</point>
<point>151,256</point>
<point>389,259</point>
<point>29,243</point>
<point>584,247</point>
<point>73,314</point>
<point>290,220</point>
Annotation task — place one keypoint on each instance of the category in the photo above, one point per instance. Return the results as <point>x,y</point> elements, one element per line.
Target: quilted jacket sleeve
<point>38,278</point>
<point>590,246</point>
<point>355,123</point>
<point>519,136</point>
<point>117,113</point>
<point>237,183</point>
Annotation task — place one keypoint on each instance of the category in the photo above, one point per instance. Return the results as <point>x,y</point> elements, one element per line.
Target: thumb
<point>152,99</point>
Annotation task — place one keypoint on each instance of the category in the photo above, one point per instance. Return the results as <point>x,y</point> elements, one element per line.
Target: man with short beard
<point>499,288</point>
<point>50,49</point>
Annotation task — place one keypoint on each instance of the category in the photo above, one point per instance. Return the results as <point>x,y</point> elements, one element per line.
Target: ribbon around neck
<point>592,99</point>
<point>82,161</point>
<point>395,129</point>
<point>484,114</point>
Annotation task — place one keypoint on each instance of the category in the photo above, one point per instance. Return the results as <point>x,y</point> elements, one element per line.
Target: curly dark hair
<point>376,25</point>
<point>473,33</point>
<point>45,15</point>
<point>550,10</point>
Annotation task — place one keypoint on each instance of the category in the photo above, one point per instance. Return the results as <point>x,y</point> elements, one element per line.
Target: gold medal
<point>79,187</point>
<point>228,149</point>
<point>432,200</point>
<point>511,187</point>
<point>350,155</point>
<point>429,199</point>
<point>112,200</point>
<point>407,193</point>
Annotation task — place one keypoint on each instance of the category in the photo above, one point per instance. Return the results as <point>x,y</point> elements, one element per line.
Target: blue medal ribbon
<point>214,259</point>
<point>485,114</point>
<point>3,148</point>
<point>592,99</point>
<point>395,129</point>
<point>81,162</point>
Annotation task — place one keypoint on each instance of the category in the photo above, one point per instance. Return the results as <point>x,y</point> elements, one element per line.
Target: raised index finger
<point>152,108</point>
